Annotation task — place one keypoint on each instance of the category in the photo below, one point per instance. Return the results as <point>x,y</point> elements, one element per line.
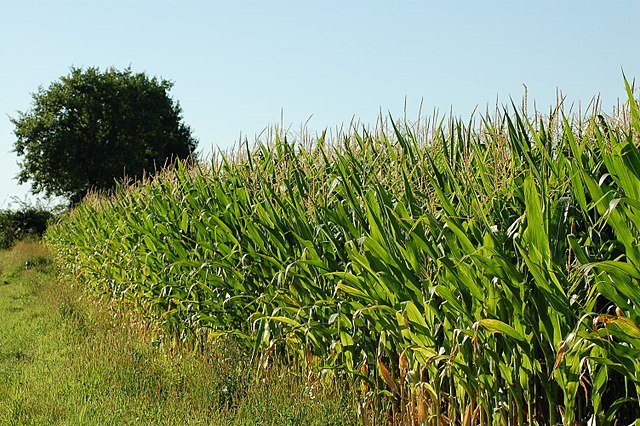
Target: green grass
<point>67,360</point>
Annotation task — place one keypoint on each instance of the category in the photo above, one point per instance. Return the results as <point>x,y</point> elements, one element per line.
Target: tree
<point>91,128</point>
<point>19,224</point>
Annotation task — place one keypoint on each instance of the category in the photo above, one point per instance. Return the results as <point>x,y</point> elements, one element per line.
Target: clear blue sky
<point>237,64</point>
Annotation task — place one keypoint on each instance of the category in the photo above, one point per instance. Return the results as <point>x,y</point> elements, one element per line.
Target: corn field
<point>481,273</point>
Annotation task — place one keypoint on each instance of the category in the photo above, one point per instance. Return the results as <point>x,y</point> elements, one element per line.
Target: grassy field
<point>67,360</point>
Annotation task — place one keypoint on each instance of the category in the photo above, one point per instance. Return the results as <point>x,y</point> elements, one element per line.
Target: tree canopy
<point>91,128</point>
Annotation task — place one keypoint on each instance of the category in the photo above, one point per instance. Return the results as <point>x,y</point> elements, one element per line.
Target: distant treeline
<point>24,222</point>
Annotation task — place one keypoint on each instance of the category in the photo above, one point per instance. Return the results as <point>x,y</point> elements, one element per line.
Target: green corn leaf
<point>497,326</point>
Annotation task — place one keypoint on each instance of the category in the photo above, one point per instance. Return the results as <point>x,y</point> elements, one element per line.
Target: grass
<point>68,360</point>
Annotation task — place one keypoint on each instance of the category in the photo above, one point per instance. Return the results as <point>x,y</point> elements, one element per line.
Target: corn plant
<point>462,273</point>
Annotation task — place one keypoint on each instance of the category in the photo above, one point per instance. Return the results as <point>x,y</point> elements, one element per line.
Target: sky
<point>241,66</point>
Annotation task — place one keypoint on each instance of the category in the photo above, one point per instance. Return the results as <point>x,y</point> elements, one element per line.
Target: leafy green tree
<point>91,128</point>
<point>18,224</point>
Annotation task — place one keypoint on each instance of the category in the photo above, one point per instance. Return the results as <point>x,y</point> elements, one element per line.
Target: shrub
<point>18,224</point>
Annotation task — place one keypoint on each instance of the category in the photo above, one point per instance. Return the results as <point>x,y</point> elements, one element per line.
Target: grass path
<point>65,360</point>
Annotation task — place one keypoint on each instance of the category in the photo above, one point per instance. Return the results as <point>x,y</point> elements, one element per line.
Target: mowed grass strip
<point>67,360</point>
